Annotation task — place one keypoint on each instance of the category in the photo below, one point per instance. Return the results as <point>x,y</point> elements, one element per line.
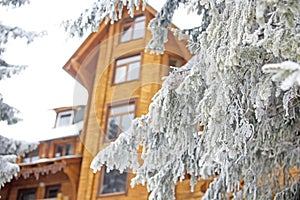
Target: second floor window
<point>31,156</point>
<point>133,29</point>
<point>64,149</point>
<point>119,119</point>
<point>127,69</point>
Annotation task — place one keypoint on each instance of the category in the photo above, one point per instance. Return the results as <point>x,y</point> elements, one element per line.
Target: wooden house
<point>121,78</point>
<point>52,170</point>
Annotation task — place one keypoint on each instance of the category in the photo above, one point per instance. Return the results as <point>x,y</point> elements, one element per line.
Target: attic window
<point>133,29</point>
<point>64,118</point>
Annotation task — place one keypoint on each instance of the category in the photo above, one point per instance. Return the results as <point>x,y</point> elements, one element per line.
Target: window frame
<point>130,22</point>
<point>177,59</point>
<point>64,113</point>
<point>26,190</point>
<point>166,69</point>
<point>57,186</point>
<point>128,102</point>
<point>30,156</point>
<point>64,150</point>
<point>115,67</point>
<point>100,185</point>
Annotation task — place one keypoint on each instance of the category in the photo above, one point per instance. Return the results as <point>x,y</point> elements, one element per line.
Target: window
<point>127,69</point>
<point>119,119</point>
<point>52,191</point>
<point>59,150</point>
<point>64,118</point>
<point>113,182</point>
<point>64,149</point>
<point>27,194</point>
<point>69,149</point>
<point>173,62</point>
<point>133,29</point>
<point>31,156</point>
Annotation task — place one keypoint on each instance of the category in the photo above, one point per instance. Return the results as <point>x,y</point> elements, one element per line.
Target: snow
<point>59,132</point>
<point>46,160</point>
<point>10,149</point>
<point>250,118</point>
<point>287,72</point>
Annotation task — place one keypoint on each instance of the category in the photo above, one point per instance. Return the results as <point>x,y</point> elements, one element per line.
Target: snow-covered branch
<point>8,167</point>
<point>10,149</point>
<point>13,2</point>
<point>251,129</point>
<point>7,32</point>
<point>288,73</point>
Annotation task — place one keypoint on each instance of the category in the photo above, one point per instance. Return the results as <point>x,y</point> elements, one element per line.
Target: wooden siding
<point>59,178</point>
<point>68,177</point>
<point>104,92</point>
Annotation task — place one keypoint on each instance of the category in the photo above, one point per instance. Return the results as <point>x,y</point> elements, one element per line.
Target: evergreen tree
<point>10,149</point>
<point>250,143</point>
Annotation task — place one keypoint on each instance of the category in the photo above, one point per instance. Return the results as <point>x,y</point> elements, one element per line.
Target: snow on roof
<point>59,132</point>
<point>46,160</point>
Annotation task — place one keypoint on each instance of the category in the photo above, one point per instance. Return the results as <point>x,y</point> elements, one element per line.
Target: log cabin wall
<point>105,94</point>
<point>52,170</point>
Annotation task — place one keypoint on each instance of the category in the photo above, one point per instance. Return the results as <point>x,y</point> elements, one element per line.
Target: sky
<point>44,85</point>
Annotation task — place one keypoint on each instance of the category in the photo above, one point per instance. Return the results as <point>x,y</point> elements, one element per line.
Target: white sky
<point>44,84</point>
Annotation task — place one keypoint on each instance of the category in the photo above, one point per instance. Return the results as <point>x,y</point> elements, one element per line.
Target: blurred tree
<point>10,148</point>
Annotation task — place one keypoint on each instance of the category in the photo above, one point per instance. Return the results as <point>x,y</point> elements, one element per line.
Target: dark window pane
<point>114,182</point>
<point>27,194</point>
<point>59,151</point>
<point>52,191</point>
<point>69,148</point>
<point>174,63</point>
<point>113,127</point>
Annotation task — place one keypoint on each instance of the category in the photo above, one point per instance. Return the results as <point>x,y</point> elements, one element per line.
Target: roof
<point>66,108</point>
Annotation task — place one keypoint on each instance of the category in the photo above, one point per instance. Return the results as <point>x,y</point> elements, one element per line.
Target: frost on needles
<point>10,149</point>
<point>251,139</point>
